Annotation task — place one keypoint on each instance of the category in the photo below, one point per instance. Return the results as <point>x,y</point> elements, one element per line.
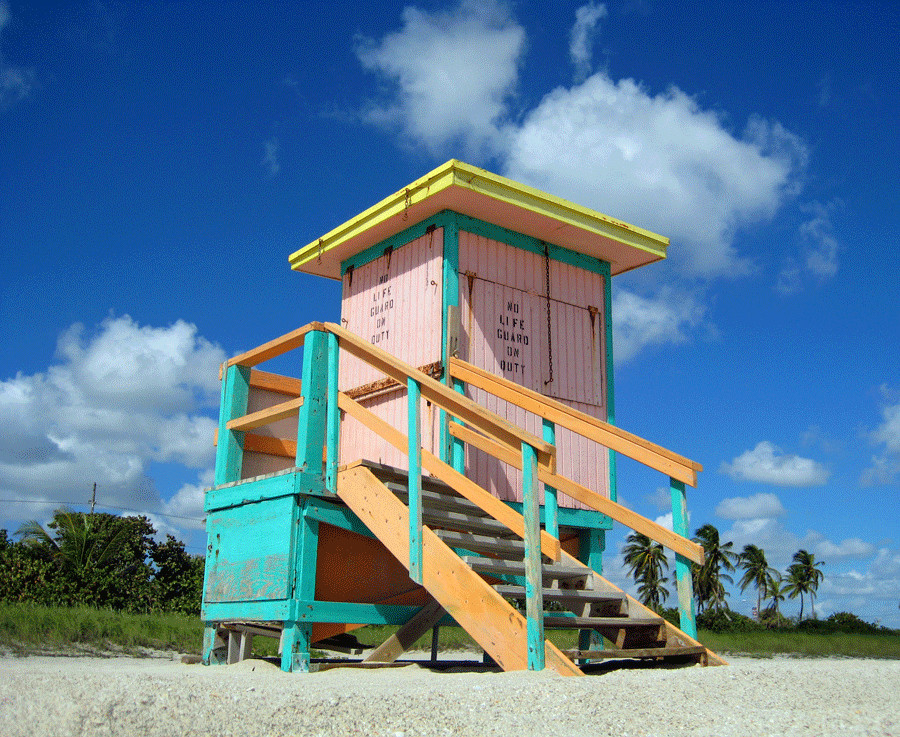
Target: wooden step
<point>692,651</point>
<point>438,518</point>
<point>512,547</point>
<point>504,567</point>
<point>581,596</point>
<point>439,501</point>
<point>620,622</point>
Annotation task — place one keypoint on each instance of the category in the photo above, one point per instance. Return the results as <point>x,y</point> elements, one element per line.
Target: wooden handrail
<point>614,438</point>
<point>444,397</point>
<point>287,342</point>
<point>446,473</point>
<point>624,515</point>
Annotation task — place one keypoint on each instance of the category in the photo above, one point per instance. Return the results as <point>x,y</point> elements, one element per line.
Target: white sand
<point>156,696</point>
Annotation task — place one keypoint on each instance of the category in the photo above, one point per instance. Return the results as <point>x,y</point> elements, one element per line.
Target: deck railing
<point>318,400</point>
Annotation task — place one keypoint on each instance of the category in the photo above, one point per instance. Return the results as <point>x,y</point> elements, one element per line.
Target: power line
<point>105,506</point>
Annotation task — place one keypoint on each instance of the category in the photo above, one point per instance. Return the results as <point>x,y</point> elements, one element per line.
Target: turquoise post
<point>311,428</point>
<point>534,599</point>
<point>551,504</point>
<point>229,458</point>
<point>333,420</point>
<point>591,545</point>
<point>682,564</point>
<point>415,481</point>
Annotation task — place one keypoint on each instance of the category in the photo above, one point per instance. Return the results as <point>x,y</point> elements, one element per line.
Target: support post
<point>591,544</point>
<point>311,420</point>
<point>686,615</point>
<point>415,481</point>
<point>551,504</point>
<point>534,600</point>
<point>333,420</point>
<point>229,459</point>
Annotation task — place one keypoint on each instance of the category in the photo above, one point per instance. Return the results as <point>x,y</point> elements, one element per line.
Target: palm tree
<point>804,577</point>
<point>776,590</point>
<point>80,540</point>
<point>646,561</point>
<point>757,572</point>
<point>718,556</point>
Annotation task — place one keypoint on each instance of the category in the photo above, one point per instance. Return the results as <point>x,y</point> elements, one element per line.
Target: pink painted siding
<point>395,302</point>
<point>503,308</point>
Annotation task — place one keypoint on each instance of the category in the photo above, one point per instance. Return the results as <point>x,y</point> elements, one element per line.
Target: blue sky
<point>159,161</point>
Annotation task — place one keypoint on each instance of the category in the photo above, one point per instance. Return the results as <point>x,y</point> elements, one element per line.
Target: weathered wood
<point>446,398</point>
<point>555,594</point>
<point>467,488</point>
<point>610,436</point>
<point>282,447</point>
<point>287,342</point>
<point>414,480</point>
<point>503,567</point>
<point>277,383</point>
<point>650,652</point>
<point>387,384</point>
<point>405,637</point>
<point>266,416</point>
<point>628,622</point>
<point>626,516</point>
<point>483,543</point>
<point>534,602</point>
<point>495,625</point>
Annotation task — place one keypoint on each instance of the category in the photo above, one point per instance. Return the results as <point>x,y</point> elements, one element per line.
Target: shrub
<point>725,620</point>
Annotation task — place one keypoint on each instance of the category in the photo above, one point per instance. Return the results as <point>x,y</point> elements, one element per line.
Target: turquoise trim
<point>333,418</point>
<point>336,516</point>
<point>551,504</point>
<point>591,544</point>
<point>451,450</point>
<point>414,480</point>
<point>233,403</point>
<point>610,383</point>
<point>311,420</point>
<point>534,600</point>
<point>529,243</point>
<point>683,578</point>
<point>578,518</point>
<point>270,487</point>
<point>279,610</point>
<point>397,240</point>
<point>351,613</point>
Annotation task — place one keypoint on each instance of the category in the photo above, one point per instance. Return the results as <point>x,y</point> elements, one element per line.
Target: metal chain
<point>549,333</point>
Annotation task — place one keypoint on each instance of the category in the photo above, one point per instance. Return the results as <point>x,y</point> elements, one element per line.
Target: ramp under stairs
<point>473,567</point>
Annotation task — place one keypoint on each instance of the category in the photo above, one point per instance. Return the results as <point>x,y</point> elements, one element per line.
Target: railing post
<point>311,420</point>
<point>682,564</point>
<point>551,505</point>
<point>534,600</point>
<point>333,419</point>
<point>415,481</point>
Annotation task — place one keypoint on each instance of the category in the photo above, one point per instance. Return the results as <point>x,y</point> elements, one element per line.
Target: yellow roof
<point>472,191</point>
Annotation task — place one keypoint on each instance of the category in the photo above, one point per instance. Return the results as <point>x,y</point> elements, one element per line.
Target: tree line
<point>647,563</point>
<point>99,560</point>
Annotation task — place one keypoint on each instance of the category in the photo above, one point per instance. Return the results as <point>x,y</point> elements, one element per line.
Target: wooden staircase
<point>474,568</point>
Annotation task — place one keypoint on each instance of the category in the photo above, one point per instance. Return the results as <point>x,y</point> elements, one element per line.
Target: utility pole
<point>94,497</point>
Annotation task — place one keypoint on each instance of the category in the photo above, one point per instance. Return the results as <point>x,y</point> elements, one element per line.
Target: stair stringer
<point>673,635</point>
<point>488,618</point>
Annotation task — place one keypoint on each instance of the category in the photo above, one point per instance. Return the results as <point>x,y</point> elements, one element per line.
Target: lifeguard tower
<point>448,452</point>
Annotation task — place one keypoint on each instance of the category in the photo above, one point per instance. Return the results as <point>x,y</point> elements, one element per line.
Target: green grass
<point>809,644</point>
<point>34,629</point>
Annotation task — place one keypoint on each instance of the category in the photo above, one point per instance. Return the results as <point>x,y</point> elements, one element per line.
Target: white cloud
<point>886,465</point>
<point>115,402</point>
<point>639,322</point>
<point>15,82</point>
<point>270,160</point>
<point>660,162</point>
<point>852,547</point>
<point>454,73</point>
<point>764,506</point>
<point>767,464</point>
<point>581,37</point>
<point>820,259</point>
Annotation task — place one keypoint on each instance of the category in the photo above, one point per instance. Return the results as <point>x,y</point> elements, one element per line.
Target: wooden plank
<point>493,623</point>
<point>434,465</point>
<point>287,342</point>
<point>266,416</point>
<point>651,652</point>
<point>264,444</point>
<point>414,481</point>
<point>627,517</point>
<point>534,601</point>
<point>683,578</point>
<point>455,403</point>
<point>405,637</point>
<point>612,437</point>
<point>277,383</point>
